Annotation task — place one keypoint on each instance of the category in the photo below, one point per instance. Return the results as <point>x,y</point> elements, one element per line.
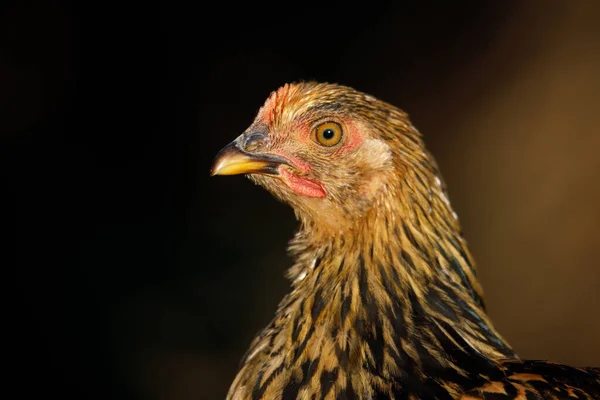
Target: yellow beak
<point>232,160</point>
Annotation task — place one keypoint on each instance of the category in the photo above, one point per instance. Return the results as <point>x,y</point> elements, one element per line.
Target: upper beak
<point>234,160</point>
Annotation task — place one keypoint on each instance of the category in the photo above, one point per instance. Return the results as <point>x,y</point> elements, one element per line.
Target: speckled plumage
<point>385,303</point>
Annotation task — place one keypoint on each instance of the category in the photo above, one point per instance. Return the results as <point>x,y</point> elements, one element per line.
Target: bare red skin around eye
<point>353,140</point>
<point>353,137</point>
<point>308,187</point>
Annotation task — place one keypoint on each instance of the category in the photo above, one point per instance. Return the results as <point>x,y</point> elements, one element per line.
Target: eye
<point>329,134</point>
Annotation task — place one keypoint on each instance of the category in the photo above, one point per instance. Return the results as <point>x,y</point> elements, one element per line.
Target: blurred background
<point>133,274</point>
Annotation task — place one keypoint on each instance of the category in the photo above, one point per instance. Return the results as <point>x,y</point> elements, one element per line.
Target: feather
<point>385,301</point>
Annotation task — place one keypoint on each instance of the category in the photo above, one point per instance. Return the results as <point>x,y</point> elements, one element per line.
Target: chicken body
<point>385,301</point>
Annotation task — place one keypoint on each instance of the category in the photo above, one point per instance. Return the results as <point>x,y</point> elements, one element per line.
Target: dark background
<point>135,275</point>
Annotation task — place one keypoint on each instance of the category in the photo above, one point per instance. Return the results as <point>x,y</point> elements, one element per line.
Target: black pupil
<point>328,134</point>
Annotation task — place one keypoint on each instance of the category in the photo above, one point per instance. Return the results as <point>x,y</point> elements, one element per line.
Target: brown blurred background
<point>136,275</point>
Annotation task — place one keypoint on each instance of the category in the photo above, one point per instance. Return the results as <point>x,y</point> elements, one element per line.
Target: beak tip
<point>223,160</point>
<point>224,165</point>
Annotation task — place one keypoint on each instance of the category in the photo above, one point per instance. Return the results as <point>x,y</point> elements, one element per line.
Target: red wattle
<point>302,186</point>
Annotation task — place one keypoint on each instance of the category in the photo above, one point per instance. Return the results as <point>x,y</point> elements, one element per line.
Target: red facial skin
<point>308,187</point>
<point>300,184</point>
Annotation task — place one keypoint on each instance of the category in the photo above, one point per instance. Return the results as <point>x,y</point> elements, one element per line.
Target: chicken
<point>385,302</point>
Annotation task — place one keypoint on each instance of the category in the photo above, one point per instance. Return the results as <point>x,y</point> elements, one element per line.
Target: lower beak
<point>232,160</point>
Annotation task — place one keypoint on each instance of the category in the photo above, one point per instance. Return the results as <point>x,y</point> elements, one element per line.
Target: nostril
<point>254,142</point>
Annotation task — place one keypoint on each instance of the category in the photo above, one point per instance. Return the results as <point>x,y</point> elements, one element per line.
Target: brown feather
<point>385,302</point>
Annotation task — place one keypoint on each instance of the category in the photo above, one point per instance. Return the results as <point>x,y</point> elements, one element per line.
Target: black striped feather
<point>387,305</point>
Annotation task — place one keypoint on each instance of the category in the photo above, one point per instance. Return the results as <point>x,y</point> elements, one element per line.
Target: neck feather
<point>403,262</point>
<point>378,307</point>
